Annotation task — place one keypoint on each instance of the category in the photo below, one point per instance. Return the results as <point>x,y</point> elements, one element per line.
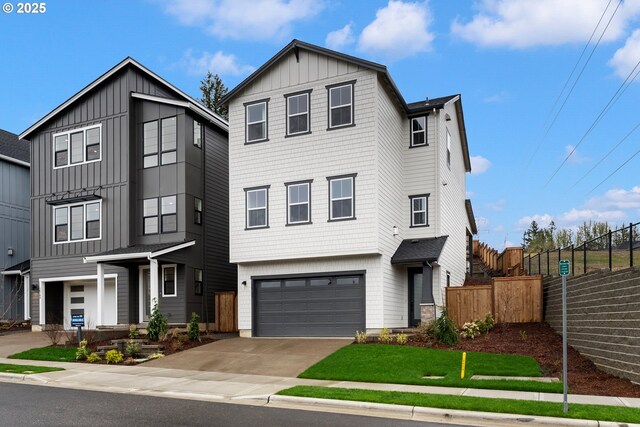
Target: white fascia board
<point>171,249</point>
<point>116,257</point>
<point>10,272</point>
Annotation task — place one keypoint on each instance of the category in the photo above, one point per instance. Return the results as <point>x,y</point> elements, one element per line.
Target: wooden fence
<point>508,262</point>
<point>508,299</point>
<point>226,311</point>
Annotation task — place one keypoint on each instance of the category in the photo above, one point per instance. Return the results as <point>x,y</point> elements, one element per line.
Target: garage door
<point>320,306</point>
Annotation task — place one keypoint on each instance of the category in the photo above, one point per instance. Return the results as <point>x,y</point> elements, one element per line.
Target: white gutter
<point>172,249</point>
<point>10,272</point>
<point>16,161</point>
<point>137,255</point>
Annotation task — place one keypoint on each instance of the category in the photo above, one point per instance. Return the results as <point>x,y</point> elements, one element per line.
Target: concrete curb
<point>420,413</point>
<point>23,377</point>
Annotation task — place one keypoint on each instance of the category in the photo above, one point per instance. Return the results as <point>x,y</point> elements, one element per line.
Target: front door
<point>145,294</point>
<point>415,295</point>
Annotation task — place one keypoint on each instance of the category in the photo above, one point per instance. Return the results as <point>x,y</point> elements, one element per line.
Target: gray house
<point>14,226</point>
<point>129,204</point>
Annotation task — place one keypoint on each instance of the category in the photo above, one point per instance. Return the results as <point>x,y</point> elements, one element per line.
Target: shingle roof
<point>21,267</point>
<point>14,147</point>
<point>419,250</point>
<point>429,103</point>
<point>471,216</point>
<point>137,249</point>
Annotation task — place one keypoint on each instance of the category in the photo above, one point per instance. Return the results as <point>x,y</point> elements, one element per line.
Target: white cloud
<point>217,63</point>
<point>482,222</point>
<point>616,199</point>
<point>496,206</point>
<point>575,157</point>
<point>526,23</point>
<point>543,220</point>
<point>498,229</point>
<point>399,30</point>
<point>496,98</point>
<point>479,165</point>
<point>509,244</point>
<point>626,58</point>
<point>341,38</point>
<point>468,195</point>
<point>243,19</point>
<point>578,216</point>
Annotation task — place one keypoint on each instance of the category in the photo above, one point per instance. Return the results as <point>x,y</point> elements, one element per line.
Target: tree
<point>212,91</point>
<point>564,238</point>
<point>538,239</point>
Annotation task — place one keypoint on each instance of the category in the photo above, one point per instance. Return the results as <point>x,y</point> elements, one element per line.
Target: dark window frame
<point>156,153</point>
<point>201,133</point>
<point>308,113</point>
<point>175,281</point>
<point>424,131</point>
<point>161,138</point>
<point>163,215</point>
<point>308,182</point>
<point>246,207</point>
<point>412,212</point>
<point>351,83</point>
<point>197,213</point>
<point>198,285</point>
<point>145,217</point>
<point>247,105</point>
<point>352,176</point>
<point>448,142</point>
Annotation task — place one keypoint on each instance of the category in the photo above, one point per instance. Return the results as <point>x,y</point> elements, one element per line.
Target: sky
<point>539,80</point>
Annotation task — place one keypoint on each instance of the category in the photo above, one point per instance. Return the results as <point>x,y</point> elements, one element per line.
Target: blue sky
<point>508,58</point>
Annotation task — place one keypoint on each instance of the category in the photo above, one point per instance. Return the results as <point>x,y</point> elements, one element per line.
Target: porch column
<point>427,305</point>
<point>153,267</point>
<point>27,296</point>
<point>41,316</point>
<point>99,320</point>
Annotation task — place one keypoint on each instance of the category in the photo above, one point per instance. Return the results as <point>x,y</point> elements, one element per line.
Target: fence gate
<point>226,311</point>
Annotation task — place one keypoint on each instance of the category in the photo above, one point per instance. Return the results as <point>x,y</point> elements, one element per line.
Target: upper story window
<point>297,113</point>
<point>418,131</point>
<point>448,149</point>
<point>256,121</point>
<point>197,134</point>
<point>77,146</point>
<point>299,202</point>
<point>150,144</point>
<point>342,197</point>
<point>419,215</point>
<point>77,222</point>
<point>340,105</point>
<point>150,216</point>
<point>168,214</point>
<point>169,280</point>
<point>197,210</point>
<point>198,281</point>
<point>169,140</point>
<point>257,202</point>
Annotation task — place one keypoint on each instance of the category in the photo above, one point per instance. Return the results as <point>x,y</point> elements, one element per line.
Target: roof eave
<point>463,132</point>
<point>14,160</point>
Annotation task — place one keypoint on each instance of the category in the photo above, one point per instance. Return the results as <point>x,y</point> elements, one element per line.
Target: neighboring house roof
<point>471,216</point>
<point>139,252</point>
<point>20,268</point>
<point>409,109</point>
<point>206,113</point>
<point>419,250</point>
<point>14,149</point>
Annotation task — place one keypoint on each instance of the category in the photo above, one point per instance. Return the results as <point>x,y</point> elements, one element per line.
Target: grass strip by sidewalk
<point>468,403</point>
<point>26,369</point>
<point>380,363</point>
<point>51,354</point>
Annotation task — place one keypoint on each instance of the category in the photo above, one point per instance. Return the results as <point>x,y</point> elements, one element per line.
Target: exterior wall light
<point>10,251</point>
<point>395,230</point>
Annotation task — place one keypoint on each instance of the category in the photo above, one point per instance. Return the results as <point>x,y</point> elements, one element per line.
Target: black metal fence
<point>615,250</point>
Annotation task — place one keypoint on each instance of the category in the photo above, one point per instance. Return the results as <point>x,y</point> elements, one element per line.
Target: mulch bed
<point>541,342</point>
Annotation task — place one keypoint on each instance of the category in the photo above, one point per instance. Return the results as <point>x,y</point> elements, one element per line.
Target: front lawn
<point>380,363</point>
<point>52,354</point>
<point>467,403</point>
<point>26,369</point>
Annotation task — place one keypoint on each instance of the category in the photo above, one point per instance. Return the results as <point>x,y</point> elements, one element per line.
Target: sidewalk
<point>255,389</point>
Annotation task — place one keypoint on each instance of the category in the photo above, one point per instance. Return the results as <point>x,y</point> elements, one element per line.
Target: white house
<point>347,204</point>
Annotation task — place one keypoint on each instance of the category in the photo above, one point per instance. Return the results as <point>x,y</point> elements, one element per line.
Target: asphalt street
<point>29,405</point>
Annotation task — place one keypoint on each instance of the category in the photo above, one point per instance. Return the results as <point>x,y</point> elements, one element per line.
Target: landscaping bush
<point>194,327</point>
<point>94,358</point>
<point>385,336</point>
<point>82,352</point>
<point>155,356</point>
<point>361,337</point>
<point>402,339</point>
<point>425,331</point>
<point>157,326</point>
<point>445,330</point>
<point>133,332</point>
<point>485,325</point>
<point>470,330</point>
<point>132,349</point>
<point>114,357</point>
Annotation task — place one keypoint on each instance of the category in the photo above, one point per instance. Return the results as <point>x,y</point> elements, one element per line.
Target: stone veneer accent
<point>427,313</point>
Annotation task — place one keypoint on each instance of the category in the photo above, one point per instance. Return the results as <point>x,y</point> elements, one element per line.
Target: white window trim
<point>298,114</point>
<point>413,212</point>
<point>331,126</point>
<point>266,207</point>
<point>247,122</point>
<point>175,280</point>
<point>424,131</point>
<point>84,222</point>
<point>308,203</point>
<point>332,199</point>
<point>84,146</point>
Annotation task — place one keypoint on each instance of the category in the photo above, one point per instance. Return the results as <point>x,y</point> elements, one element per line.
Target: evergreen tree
<point>212,91</point>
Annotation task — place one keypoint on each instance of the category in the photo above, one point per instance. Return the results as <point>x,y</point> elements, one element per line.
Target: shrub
<point>445,330</point>
<point>82,352</point>
<point>194,327</point>
<point>385,336</point>
<point>94,358</point>
<point>361,337</point>
<point>523,335</point>
<point>114,356</point>
<point>133,332</point>
<point>402,339</point>
<point>157,326</point>
<point>132,349</point>
<point>489,322</point>
<point>425,331</point>
<point>54,332</point>
<point>470,330</point>
<point>155,356</point>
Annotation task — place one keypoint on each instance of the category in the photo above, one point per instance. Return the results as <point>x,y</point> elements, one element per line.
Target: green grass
<point>379,363</point>
<point>26,369</point>
<point>52,354</point>
<point>467,403</point>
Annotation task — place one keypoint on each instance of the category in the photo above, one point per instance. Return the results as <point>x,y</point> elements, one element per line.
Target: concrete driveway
<point>12,343</point>
<point>255,356</point>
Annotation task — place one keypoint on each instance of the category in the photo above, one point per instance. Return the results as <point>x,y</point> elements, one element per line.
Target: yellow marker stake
<point>464,361</point>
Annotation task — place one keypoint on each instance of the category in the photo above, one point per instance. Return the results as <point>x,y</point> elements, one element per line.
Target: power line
<point>548,128</point>
<point>616,96</point>
<point>607,155</point>
<point>613,173</point>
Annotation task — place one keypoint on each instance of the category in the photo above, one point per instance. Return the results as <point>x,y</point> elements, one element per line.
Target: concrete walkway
<point>17,342</point>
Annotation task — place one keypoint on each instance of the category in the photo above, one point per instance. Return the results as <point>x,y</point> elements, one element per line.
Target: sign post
<point>78,320</point>
<point>564,269</point>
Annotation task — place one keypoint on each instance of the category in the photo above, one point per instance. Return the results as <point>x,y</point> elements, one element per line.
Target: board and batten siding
<point>14,213</point>
<point>318,155</point>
